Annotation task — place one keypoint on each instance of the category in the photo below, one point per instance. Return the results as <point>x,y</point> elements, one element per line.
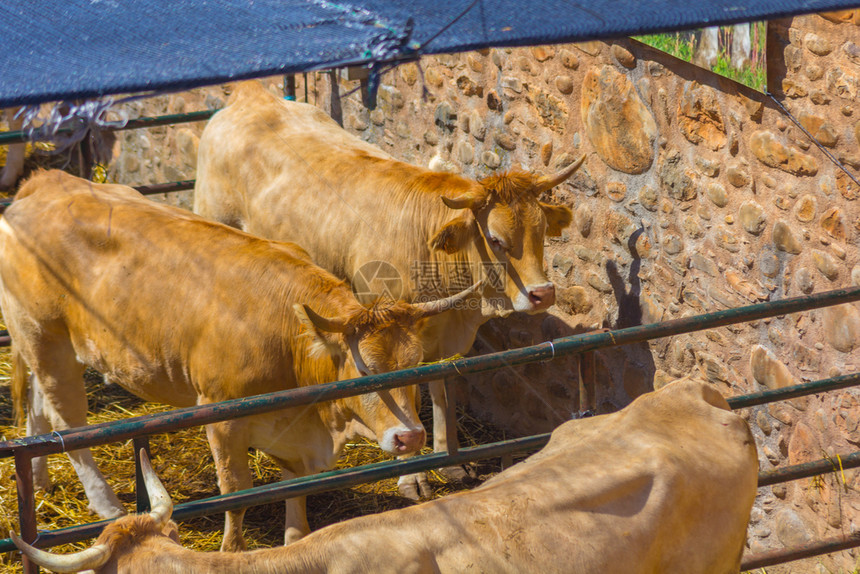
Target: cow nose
<point>409,441</point>
<point>542,296</point>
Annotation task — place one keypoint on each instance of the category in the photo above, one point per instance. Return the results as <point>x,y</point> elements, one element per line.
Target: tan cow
<point>664,486</point>
<point>185,311</point>
<point>287,171</point>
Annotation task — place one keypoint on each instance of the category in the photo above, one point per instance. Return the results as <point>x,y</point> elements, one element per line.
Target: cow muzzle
<point>536,298</point>
<point>403,440</point>
<point>542,296</point>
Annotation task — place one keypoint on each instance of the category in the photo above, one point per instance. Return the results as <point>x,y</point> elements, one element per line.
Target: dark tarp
<point>65,49</point>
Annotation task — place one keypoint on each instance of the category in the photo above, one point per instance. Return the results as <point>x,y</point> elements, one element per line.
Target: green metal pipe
<point>204,414</point>
<point>14,137</point>
<point>794,391</point>
<point>835,464</point>
<point>165,187</point>
<point>303,486</point>
<point>826,546</point>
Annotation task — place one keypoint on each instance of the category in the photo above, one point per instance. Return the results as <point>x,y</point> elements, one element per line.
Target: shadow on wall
<point>537,397</point>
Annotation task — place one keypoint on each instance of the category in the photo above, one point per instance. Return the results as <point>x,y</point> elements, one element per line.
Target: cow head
<point>124,545</point>
<point>504,221</point>
<point>378,338</point>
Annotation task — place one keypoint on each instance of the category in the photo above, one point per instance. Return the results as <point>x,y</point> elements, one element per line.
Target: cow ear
<point>321,344</point>
<point>454,235</point>
<point>557,218</point>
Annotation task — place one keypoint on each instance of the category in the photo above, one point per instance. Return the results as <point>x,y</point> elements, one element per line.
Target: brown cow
<point>287,171</point>
<point>185,311</point>
<point>664,486</point>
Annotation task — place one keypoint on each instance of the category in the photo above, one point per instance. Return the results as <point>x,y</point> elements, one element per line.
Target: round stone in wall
<point>804,280</point>
<point>564,84</point>
<point>831,222</point>
<point>804,211</point>
<point>623,56</point>
<point>716,192</point>
<point>569,59</point>
<point>842,327</point>
<point>491,159</point>
<point>617,122</point>
<point>825,263</point>
<point>784,238</point>
<point>752,218</point>
<point>648,198</point>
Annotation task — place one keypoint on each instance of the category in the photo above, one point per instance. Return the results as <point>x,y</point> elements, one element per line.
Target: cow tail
<point>19,386</point>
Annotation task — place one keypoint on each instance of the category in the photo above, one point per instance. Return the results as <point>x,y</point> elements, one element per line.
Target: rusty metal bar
<point>165,187</point>
<point>26,505</point>
<point>825,546</point>
<point>141,496</point>
<point>794,391</point>
<point>7,138</point>
<point>205,414</point>
<point>836,463</point>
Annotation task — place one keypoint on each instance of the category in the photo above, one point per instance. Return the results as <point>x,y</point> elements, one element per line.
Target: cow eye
<point>497,244</point>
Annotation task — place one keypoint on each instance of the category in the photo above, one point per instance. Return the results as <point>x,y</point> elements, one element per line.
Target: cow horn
<point>546,183</point>
<point>430,308</point>
<point>159,499</point>
<point>88,559</point>
<point>329,325</point>
<point>467,200</point>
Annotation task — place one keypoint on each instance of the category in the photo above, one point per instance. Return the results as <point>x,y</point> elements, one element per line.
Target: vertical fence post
<point>141,495</point>
<point>451,417</point>
<point>85,155</point>
<point>290,87</point>
<point>26,505</point>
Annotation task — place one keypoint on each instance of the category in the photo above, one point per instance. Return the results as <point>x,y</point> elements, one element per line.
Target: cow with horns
<point>184,311</point>
<point>287,171</point>
<point>664,485</point>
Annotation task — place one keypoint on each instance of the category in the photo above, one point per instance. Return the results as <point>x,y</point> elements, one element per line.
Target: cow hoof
<point>107,512</point>
<point>461,473</point>
<point>414,486</point>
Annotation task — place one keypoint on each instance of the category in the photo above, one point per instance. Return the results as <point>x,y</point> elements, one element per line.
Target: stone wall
<point>697,194</point>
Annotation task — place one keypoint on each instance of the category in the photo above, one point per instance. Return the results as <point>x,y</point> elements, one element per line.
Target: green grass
<point>681,45</point>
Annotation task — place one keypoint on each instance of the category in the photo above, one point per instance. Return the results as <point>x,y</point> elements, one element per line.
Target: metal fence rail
<point>367,473</point>
<point>26,448</point>
<point>13,137</point>
<point>93,435</point>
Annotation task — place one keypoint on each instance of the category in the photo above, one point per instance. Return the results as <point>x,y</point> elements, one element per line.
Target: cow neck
<point>167,557</point>
<point>420,201</point>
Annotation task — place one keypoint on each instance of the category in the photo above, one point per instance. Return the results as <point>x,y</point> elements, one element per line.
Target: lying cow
<point>287,171</point>
<point>184,311</point>
<point>663,486</point>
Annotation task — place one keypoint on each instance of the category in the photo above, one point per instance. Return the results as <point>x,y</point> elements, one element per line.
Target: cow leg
<point>229,441</point>
<point>445,428</point>
<point>37,423</point>
<point>296,523</point>
<point>64,401</point>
